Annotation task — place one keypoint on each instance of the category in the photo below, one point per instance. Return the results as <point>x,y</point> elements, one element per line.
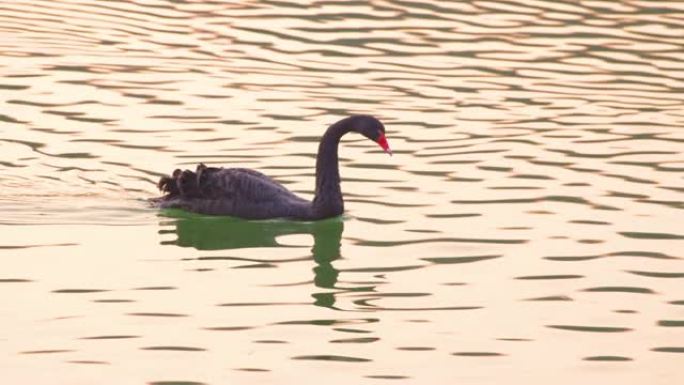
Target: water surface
<point>528,225</point>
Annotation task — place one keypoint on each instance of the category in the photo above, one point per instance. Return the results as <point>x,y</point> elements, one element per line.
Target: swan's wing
<point>240,185</point>
<point>229,191</point>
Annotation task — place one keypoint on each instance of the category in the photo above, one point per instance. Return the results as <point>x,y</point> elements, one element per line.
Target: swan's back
<point>231,191</point>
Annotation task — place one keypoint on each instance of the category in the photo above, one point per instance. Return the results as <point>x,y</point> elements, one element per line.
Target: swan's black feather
<point>250,194</point>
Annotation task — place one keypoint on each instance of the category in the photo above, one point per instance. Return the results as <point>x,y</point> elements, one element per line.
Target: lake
<point>528,228</point>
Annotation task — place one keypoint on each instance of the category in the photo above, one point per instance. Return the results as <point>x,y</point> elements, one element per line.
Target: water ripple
<point>593,329</point>
<point>537,171</point>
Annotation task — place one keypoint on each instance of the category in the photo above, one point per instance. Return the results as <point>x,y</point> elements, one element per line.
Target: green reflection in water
<point>222,233</point>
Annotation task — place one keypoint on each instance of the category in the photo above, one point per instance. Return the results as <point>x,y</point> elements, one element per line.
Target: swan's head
<point>371,128</point>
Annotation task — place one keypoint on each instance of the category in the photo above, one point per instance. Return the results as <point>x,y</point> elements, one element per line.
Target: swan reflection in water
<point>225,233</point>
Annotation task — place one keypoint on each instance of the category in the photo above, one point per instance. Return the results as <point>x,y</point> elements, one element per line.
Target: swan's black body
<point>250,194</point>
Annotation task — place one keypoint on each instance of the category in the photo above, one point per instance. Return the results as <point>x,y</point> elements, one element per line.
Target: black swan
<point>250,194</point>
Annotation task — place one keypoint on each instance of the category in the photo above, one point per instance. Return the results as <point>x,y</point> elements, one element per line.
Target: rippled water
<point>528,228</point>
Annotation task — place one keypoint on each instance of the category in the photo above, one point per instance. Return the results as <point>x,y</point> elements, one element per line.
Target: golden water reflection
<point>528,224</point>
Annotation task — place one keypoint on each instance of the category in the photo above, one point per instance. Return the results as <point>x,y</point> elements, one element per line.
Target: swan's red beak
<point>382,141</point>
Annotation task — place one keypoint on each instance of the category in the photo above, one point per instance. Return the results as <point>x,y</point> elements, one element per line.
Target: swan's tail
<point>167,184</point>
<point>185,184</point>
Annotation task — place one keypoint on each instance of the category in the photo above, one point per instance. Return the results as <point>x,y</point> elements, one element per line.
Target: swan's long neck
<point>328,196</point>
